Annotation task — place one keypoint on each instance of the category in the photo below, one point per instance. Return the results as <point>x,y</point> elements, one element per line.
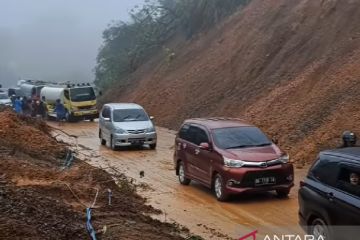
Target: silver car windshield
<point>130,115</point>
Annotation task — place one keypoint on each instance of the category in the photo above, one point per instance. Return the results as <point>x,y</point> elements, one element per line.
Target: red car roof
<point>213,123</point>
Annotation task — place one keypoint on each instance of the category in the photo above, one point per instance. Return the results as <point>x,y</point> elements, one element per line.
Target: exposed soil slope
<point>42,200</point>
<point>291,67</point>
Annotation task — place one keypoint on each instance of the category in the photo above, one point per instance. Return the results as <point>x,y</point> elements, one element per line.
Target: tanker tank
<point>51,94</point>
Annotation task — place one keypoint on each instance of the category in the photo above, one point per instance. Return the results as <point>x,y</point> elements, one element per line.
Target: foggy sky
<point>55,40</point>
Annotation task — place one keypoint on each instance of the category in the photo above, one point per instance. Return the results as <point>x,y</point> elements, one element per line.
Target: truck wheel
<point>153,146</point>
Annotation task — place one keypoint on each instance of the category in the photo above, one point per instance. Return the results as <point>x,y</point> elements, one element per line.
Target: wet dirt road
<point>192,206</point>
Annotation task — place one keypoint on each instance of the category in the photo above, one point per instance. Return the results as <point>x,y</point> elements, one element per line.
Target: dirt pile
<point>40,199</point>
<point>28,135</point>
<point>290,67</point>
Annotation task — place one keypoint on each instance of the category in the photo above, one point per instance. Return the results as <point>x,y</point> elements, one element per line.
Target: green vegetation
<point>128,45</point>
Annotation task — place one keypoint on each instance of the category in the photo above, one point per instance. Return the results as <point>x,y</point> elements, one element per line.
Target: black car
<point>329,197</point>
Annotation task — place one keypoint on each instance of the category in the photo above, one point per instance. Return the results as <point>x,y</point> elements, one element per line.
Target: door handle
<point>197,151</point>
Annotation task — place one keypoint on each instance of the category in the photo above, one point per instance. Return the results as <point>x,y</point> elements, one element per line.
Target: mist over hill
<point>54,40</point>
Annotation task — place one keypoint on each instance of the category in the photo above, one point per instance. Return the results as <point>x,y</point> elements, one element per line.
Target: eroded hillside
<point>289,66</point>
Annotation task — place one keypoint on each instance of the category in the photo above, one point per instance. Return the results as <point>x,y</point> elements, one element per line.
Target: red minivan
<point>231,157</point>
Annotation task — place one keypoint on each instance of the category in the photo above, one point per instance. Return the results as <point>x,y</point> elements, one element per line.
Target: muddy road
<point>192,206</point>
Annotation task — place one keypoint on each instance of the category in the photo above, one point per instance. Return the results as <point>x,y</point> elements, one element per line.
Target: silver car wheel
<point>181,173</point>
<point>112,143</point>
<point>218,187</point>
<point>319,230</point>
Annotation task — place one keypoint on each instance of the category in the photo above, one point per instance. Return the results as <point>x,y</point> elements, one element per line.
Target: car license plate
<point>137,141</point>
<point>265,181</point>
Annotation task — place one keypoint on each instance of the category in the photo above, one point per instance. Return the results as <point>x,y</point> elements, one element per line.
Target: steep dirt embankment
<point>40,199</point>
<point>292,67</point>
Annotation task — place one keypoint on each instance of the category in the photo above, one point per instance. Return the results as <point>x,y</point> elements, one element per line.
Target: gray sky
<point>54,40</point>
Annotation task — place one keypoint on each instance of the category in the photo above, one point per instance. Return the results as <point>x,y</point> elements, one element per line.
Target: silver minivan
<point>126,124</point>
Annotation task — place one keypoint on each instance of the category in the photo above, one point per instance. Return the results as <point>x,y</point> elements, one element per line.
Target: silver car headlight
<point>232,163</point>
<point>150,129</point>
<point>120,131</point>
<point>284,158</point>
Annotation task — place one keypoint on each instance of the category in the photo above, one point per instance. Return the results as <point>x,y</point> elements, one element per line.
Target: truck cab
<point>79,101</point>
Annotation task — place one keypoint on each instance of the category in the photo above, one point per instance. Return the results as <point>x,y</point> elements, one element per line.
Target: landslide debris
<point>292,67</point>
<point>40,199</point>
<point>28,135</point>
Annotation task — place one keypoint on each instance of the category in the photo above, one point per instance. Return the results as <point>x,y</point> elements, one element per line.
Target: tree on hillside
<point>129,45</point>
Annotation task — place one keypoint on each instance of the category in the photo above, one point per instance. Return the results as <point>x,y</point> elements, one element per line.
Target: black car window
<point>314,168</point>
<point>106,112</point>
<point>192,134</point>
<point>201,137</point>
<point>349,180</point>
<point>184,131</point>
<point>325,171</point>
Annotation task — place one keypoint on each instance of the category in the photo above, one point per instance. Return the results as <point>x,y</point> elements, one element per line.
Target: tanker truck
<point>79,101</point>
<point>30,88</point>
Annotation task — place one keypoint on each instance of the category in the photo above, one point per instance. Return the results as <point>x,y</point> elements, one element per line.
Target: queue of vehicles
<point>233,157</point>
<point>79,100</point>
<point>227,155</point>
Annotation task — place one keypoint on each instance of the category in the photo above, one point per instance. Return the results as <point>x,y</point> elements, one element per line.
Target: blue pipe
<point>89,226</point>
<point>70,159</point>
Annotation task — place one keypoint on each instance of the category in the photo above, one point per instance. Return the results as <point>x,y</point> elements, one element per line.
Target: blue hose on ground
<point>70,159</point>
<point>67,157</point>
<point>89,226</point>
